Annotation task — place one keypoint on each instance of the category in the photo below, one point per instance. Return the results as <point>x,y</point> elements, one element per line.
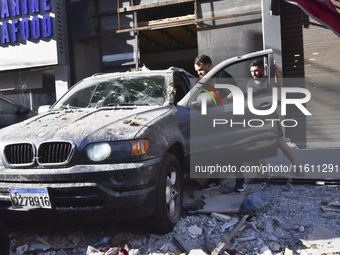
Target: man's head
<point>202,65</point>
<point>257,69</point>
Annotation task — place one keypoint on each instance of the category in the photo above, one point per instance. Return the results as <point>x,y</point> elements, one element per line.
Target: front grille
<point>77,197</point>
<point>19,154</point>
<point>54,152</point>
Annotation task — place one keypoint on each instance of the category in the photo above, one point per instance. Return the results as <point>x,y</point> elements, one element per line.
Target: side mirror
<point>43,109</point>
<point>195,105</point>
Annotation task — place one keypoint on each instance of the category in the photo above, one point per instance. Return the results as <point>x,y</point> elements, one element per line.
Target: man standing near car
<point>259,84</point>
<point>203,65</point>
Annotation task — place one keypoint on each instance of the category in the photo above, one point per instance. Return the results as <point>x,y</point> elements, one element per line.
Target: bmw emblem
<point>40,135</point>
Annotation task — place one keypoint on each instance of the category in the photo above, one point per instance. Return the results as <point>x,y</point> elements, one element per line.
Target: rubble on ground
<point>304,220</point>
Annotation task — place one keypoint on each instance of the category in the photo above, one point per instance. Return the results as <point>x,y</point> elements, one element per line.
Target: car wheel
<point>169,196</point>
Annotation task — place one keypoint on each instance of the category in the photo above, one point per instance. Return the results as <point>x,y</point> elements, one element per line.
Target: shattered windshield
<point>116,90</point>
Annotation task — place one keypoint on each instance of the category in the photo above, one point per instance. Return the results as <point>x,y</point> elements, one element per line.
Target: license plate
<point>29,199</point>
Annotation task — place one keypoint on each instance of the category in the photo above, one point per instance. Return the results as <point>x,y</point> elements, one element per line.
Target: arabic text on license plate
<point>30,198</point>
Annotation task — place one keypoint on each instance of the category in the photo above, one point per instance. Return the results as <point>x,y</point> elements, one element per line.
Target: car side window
<point>208,90</point>
<point>236,74</point>
<point>81,98</point>
<point>242,75</point>
<point>180,86</point>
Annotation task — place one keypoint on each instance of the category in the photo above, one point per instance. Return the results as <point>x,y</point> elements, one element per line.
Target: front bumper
<point>117,191</point>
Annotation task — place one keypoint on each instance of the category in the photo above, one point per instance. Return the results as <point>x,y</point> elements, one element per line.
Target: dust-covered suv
<point>111,146</point>
<point>116,145</point>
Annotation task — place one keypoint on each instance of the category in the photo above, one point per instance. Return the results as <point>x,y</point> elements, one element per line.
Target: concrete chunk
<point>227,203</point>
<point>221,217</point>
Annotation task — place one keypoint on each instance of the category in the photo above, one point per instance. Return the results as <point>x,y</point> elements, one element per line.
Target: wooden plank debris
<point>224,243</point>
<point>207,240</point>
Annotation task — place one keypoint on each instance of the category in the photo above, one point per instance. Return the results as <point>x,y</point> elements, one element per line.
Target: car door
<point>223,133</point>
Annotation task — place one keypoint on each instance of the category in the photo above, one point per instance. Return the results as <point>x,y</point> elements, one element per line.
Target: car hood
<point>109,123</point>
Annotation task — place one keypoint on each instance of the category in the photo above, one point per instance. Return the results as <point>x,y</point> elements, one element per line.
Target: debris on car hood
<point>86,122</point>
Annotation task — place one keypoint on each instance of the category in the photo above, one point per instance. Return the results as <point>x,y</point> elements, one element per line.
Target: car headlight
<point>98,151</point>
<point>116,150</point>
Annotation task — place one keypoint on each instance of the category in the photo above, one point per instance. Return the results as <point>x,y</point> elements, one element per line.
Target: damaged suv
<point>116,145</point>
<point>100,149</point>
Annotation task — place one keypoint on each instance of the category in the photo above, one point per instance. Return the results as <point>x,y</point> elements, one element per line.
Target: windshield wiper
<point>65,107</point>
<point>129,104</point>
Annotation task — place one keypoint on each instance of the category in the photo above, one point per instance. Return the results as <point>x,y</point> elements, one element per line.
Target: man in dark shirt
<point>259,83</point>
<point>203,65</point>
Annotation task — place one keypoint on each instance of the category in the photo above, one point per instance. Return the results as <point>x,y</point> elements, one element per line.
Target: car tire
<point>169,196</point>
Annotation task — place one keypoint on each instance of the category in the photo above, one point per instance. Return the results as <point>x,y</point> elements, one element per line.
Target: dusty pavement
<point>293,222</point>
